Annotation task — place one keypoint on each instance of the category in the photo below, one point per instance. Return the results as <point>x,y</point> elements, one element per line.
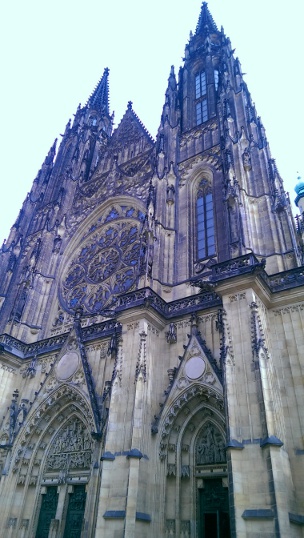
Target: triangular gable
<point>130,131</point>
<point>197,372</point>
<point>71,368</point>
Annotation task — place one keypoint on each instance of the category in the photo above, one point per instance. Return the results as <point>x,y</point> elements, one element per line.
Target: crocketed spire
<point>99,100</point>
<point>205,21</point>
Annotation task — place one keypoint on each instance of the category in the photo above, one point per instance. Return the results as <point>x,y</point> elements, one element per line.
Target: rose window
<point>105,264</point>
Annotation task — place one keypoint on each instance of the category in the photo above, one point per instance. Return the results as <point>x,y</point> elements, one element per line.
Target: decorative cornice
<point>250,264</point>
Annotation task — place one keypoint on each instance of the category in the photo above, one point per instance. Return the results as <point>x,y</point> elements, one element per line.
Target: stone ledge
<point>141,516</point>
<point>233,443</point>
<point>260,513</point>
<point>107,456</point>
<point>272,440</point>
<point>296,519</point>
<point>114,514</point>
<point>135,453</point>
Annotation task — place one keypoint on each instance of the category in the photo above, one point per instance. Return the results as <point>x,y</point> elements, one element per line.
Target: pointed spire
<point>172,80</point>
<point>99,100</point>
<point>205,20</point>
<point>51,154</point>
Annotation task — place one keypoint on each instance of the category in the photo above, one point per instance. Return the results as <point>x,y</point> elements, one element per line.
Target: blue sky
<point>53,54</point>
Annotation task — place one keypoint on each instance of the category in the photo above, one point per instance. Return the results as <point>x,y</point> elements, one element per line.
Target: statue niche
<point>210,447</point>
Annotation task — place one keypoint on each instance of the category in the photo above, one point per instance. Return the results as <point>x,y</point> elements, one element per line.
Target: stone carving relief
<point>185,528</point>
<point>288,309</point>
<point>170,527</point>
<point>185,471</point>
<point>71,448</point>
<point>8,369</point>
<point>237,297</point>
<point>121,179</point>
<point>210,446</point>
<point>141,365</point>
<point>171,469</point>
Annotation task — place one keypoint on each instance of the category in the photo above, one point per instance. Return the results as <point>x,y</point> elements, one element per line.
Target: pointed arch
<point>104,258</point>
<point>44,420</point>
<point>194,417</point>
<point>202,216</point>
<point>205,222</point>
<point>54,446</point>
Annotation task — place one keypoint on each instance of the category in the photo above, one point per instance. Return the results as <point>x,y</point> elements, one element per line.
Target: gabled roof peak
<point>131,115</point>
<point>205,21</point>
<point>99,100</point>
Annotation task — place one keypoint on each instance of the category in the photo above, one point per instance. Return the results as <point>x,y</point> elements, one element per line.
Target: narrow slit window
<point>216,79</point>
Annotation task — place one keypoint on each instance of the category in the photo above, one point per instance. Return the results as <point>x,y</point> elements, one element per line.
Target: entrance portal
<point>214,510</point>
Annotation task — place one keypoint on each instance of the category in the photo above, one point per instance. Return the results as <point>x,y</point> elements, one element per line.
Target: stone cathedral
<point>152,305</point>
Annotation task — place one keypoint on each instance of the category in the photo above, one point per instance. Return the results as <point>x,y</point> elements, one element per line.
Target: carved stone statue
<point>171,334</point>
<point>247,160</point>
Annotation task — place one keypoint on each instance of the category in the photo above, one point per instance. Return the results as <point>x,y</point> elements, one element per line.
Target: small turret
<point>299,189</point>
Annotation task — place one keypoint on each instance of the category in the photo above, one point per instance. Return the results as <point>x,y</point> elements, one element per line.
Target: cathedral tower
<point>151,323</point>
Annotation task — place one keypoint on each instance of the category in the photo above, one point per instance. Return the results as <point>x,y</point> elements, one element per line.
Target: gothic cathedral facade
<point>152,342</point>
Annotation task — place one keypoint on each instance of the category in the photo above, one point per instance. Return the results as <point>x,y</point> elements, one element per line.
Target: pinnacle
<point>205,21</point>
<point>99,99</point>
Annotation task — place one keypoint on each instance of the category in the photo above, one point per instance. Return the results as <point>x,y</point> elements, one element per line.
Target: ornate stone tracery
<point>106,263</point>
<point>71,448</point>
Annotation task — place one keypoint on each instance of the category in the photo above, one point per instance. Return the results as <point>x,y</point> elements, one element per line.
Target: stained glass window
<point>200,85</point>
<point>205,225</point>
<point>201,105</point>
<point>201,112</point>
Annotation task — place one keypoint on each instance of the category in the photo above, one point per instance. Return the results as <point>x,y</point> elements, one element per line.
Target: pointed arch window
<point>201,105</point>
<point>205,223</point>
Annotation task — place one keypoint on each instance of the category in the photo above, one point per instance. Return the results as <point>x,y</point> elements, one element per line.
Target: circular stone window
<point>195,367</point>
<point>105,264</point>
<point>67,366</point>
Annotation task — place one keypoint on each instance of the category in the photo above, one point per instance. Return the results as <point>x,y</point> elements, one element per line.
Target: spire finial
<point>205,21</point>
<point>99,100</point>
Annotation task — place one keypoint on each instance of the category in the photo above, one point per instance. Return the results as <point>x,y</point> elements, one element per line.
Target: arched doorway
<point>192,452</point>
<point>212,484</point>
<point>65,475</point>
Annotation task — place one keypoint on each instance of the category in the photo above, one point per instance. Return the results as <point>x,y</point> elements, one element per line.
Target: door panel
<point>75,512</point>
<point>214,510</point>
<point>47,511</point>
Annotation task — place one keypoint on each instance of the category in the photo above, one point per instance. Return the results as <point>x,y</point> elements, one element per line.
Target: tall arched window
<point>201,105</point>
<point>205,222</point>
<point>203,110</point>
